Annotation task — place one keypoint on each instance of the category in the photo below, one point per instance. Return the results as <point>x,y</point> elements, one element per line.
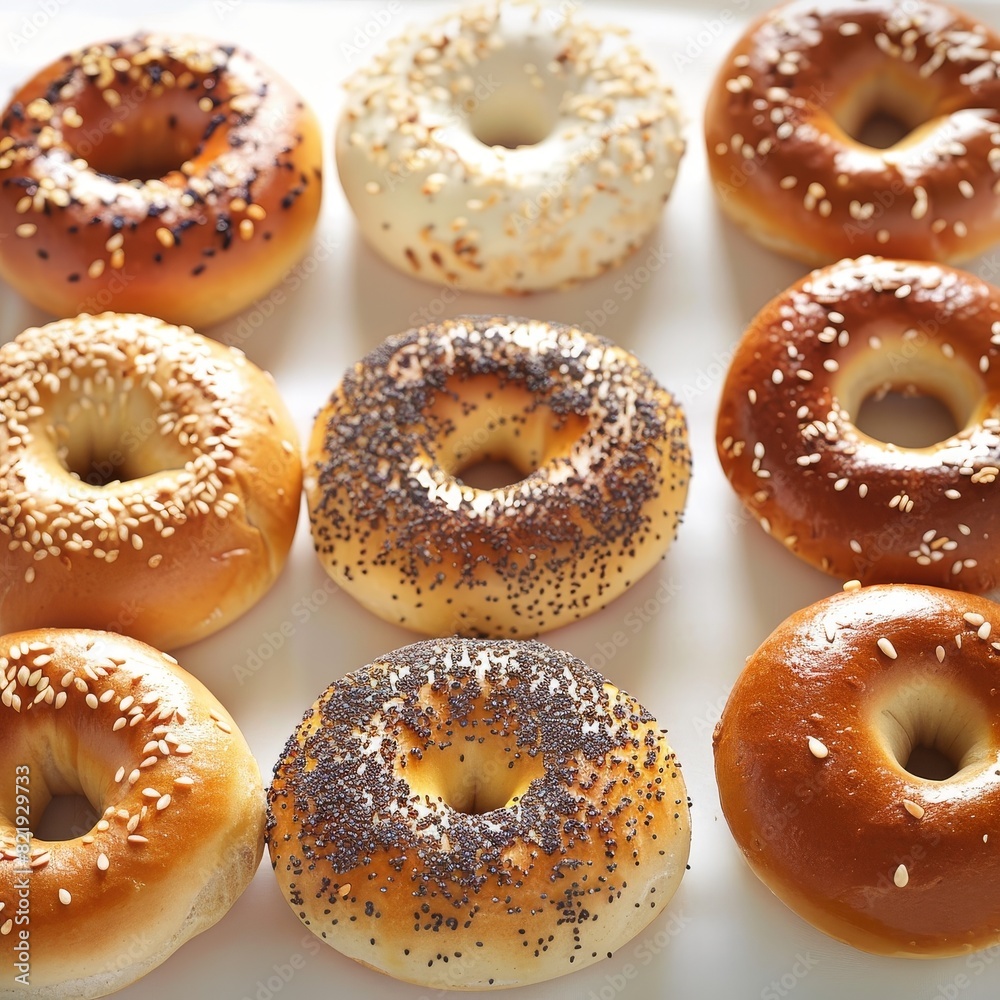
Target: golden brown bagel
<point>798,87</point>
<point>812,756</point>
<point>149,479</point>
<point>476,814</point>
<point>166,175</point>
<point>844,501</point>
<point>601,446</point>
<point>176,790</point>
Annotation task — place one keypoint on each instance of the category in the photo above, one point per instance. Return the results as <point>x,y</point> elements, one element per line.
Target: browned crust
<point>846,503</point>
<point>785,168</point>
<point>194,246</point>
<point>175,554</point>
<point>376,863</point>
<point>828,834</point>
<point>107,716</point>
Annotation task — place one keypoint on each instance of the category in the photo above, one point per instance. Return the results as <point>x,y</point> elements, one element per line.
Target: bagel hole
<point>490,474</point>
<point>66,817</point>
<point>528,129</point>
<point>931,764</point>
<point>882,129</point>
<point>143,137</point>
<point>508,110</point>
<point>906,417</point>
<point>495,434</point>
<point>100,467</point>
<point>475,773</point>
<point>883,109</point>
<point>114,445</point>
<point>932,729</point>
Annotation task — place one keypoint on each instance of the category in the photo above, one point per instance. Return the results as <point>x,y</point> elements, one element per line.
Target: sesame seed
<point>102,862</point>
<point>939,653</point>
<point>984,630</point>
<point>162,802</point>
<point>851,585</point>
<point>26,229</point>
<point>901,877</point>
<point>913,808</point>
<point>135,838</point>
<point>165,236</point>
<point>64,897</point>
<point>973,618</point>
<point>92,701</point>
<point>817,748</point>
<point>887,647</point>
<point>246,229</point>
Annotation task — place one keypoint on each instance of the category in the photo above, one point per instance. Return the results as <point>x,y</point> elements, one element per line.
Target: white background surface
<point>688,626</point>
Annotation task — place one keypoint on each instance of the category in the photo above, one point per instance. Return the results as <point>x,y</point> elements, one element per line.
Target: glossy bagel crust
<point>477,814</point>
<point>178,796</point>
<point>150,479</point>
<point>811,755</point>
<point>801,83</point>
<point>167,175</point>
<point>601,446</point>
<point>852,505</point>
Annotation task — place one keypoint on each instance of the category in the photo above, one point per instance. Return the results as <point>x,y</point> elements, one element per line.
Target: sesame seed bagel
<point>602,449</point>
<point>149,479</point>
<point>857,768</point>
<point>476,814</point>
<point>848,503</point>
<point>172,176</point>
<point>792,97</point>
<point>502,149</point>
<point>178,795</point>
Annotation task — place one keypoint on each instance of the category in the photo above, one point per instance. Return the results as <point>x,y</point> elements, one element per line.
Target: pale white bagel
<point>506,151</point>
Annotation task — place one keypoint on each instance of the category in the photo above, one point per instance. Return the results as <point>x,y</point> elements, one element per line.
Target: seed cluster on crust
<point>778,133</point>
<point>32,681</point>
<point>138,460</point>
<point>112,719</point>
<point>560,542</point>
<point>854,506</point>
<point>348,826</point>
<point>570,202</point>
<point>857,838</point>
<point>100,235</point>
<point>51,375</point>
